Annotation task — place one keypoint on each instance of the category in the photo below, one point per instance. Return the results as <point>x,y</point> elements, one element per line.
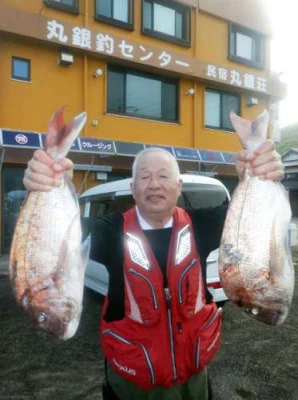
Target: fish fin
<point>61,136</point>
<point>85,250</point>
<point>251,133</point>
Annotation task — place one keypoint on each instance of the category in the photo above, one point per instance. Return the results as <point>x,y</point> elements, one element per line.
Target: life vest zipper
<point>198,347</point>
<point>180,299</point>
<point>155,305</point>
<point>168,303</point>
<point>211,320</point>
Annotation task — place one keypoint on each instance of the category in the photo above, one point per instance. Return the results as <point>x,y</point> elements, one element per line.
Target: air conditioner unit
<point>101,176</point>
<point>65,59</point>
<point>252,101</point>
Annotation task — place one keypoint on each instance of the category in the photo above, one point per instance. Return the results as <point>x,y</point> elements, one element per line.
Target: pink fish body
<point>255,262</point>
<point>47,259</point>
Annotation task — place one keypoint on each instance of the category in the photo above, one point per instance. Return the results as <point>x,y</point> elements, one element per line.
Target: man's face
<point>156,187</point>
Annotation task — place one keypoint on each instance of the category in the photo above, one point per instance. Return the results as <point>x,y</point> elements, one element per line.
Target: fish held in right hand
<point>255,264</point>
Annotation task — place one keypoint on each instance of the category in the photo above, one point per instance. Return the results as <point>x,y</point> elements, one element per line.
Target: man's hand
<point>43,174</point>
<point>265,162</point>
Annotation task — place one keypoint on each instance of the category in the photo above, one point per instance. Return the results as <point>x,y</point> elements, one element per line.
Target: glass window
<point>119,12</point>
<point>167,20</point>
<point>246,46</point>
<point>128,94</point>
<point>137,102</point>
<point>65,5</point>
<point>164,19</point>
<point>217,109</point>
<point>20,69</point>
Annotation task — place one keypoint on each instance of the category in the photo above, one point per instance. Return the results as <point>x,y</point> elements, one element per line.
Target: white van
<point>197,192</point>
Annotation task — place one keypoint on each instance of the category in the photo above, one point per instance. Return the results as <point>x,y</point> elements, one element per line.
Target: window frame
<point>138,73</point>
<point>221,93</point>
<point>259,40</point>
<point>185,10</point>
<point>64,7</point>
<point>111,21</point>
<point>19,78</point>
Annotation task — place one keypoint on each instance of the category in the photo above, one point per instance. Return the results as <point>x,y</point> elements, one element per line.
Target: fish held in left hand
<point>47,256</point>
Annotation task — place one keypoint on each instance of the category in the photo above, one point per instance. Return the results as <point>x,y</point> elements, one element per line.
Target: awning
<point>93,150</point>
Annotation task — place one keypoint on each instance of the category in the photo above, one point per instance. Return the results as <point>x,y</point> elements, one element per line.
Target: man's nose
<point>154,182</point>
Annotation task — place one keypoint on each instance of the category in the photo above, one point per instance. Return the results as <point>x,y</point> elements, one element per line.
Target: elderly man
<point>159,324</point>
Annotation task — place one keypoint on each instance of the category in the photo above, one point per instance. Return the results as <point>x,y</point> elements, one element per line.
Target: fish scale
<point>47,258</point>
<point>255,264</point>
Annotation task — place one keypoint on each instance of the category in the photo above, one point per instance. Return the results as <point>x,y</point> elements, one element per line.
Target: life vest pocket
<point>128,359</point>
<point>207,341</point>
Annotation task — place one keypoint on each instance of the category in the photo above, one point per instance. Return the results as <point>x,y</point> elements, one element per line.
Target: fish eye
<point>252,311</point>
<point>42,317</point>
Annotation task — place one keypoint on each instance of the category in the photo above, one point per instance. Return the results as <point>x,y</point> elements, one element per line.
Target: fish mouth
<point>270,317</point>
<point>71,329</point>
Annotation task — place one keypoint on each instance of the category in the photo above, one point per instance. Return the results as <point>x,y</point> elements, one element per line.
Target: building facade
<point>148,72</point>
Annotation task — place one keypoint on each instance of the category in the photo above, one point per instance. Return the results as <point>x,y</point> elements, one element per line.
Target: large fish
<point>255,262</point>
<point>47,259</point>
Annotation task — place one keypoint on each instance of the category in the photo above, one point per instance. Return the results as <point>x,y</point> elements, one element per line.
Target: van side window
<point>122,203</point>
<point>105,205</point>
<point>99,206</point>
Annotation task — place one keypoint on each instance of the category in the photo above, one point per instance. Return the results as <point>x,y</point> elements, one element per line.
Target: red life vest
<point>167,334</point>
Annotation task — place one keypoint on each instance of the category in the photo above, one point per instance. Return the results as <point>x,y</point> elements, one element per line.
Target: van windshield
<point>194,196</point>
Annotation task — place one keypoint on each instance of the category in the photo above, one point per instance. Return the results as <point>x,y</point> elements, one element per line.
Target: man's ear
<point>132,188</point>
<point>180,183</point>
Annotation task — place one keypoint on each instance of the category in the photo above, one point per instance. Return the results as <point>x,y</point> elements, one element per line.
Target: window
<point>71,6</point>
<point>142,95</point>
<point>20,69</point>
<point>246,46</point>
<point>167,20</point>
<point>217,109</point>
<point>117,12</point>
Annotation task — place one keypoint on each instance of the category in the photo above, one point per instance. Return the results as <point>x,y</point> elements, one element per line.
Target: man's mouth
<point>154,197</point>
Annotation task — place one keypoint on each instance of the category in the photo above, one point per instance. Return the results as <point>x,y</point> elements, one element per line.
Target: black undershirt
<point>159,240</point>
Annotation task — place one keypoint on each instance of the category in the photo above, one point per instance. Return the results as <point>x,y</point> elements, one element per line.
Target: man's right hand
<point>43,174</point>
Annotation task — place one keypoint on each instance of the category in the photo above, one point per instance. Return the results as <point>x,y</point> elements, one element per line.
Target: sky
<point>284,54</point>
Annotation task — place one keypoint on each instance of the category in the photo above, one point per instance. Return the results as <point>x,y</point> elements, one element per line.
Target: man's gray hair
<point>149,150</point>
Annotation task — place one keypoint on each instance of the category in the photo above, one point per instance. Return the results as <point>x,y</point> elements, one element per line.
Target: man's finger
<point>273,170</point>
<point>42,157</point>
<point>33,186</point>
<point>267,157</point>
<point>265,147</point>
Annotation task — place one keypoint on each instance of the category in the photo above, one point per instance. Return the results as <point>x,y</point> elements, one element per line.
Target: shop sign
<point>97,145</point>
<point>182,153</point>
<point>110,46</point>
<point>211,156</point>
<point>12,138</point>
<point>127,148</point>
<point>75,146</point>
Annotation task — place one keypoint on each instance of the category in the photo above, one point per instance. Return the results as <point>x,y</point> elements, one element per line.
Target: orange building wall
<point>28,106</point>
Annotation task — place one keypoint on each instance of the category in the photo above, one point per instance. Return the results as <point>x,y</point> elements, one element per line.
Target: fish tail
<point>251,133</point>
<point>61,136</point>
